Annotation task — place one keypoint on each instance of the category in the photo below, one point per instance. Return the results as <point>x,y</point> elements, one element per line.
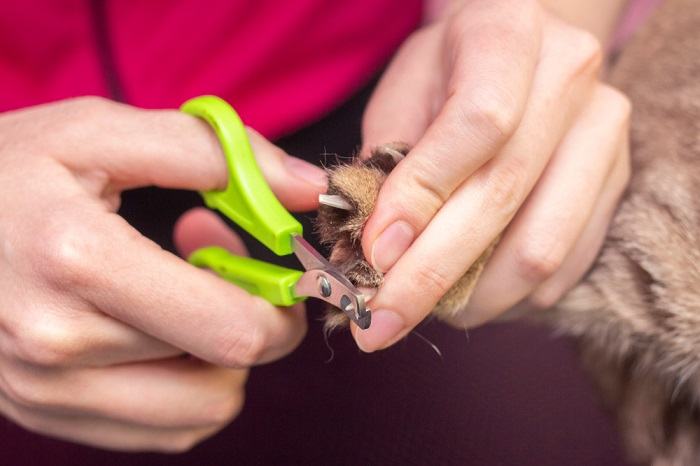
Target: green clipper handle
<point>270,281</point>
<point>249,202</point>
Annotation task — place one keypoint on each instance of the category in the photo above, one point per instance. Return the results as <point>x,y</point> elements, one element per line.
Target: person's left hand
<point>510,126</point>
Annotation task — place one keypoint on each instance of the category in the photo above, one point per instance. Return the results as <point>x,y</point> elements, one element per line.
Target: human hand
<point>510,126</point>
<point>96,321</point>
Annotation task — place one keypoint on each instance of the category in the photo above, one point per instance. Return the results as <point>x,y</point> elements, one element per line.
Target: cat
<point>636,314</point>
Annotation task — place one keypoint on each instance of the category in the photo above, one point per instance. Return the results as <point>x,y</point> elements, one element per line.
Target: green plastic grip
<point>269,281</point>
<point>247,200</point>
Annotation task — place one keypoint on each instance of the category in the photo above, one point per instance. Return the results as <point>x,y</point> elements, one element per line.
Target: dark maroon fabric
<point>504,395</point>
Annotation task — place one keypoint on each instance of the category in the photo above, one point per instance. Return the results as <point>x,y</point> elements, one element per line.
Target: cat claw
<point>334,200</point>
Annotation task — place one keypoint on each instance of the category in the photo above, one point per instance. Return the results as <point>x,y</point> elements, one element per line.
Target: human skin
<point>512,131</point>
<point>106,339</point>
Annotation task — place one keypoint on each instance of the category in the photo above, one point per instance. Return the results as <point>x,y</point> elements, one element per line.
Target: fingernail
<point>385,327</point>
<point>307,171</point>
<point>391,245</point>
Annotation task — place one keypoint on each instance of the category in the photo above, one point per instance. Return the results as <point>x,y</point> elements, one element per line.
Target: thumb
<point>165,148</point>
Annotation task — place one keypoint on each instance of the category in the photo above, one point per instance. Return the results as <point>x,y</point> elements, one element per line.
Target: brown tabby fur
<point>359,183</point>
<point>637,312</point>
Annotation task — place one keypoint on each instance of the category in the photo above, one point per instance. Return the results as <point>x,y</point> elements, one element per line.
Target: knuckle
<point>241,347</point>
<point>65,254</point>
<point>503,188</point>
<point>81,114</point>
<point>425,194</point>
<point>435,281</point>
<point>493,116</point>
<point>535,261</point>
<point>47,343</point>
<point>78,110</point>
<point>586,52</point>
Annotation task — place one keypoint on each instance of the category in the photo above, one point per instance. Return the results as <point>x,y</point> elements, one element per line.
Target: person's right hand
<point>95,319</point>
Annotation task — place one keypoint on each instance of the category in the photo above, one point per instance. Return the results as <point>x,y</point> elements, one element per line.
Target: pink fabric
<point>636,13</point>
<point>281,64</point>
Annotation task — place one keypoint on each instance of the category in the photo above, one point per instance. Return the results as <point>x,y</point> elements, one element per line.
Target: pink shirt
<point>282,64</point>
<point>636,13</point>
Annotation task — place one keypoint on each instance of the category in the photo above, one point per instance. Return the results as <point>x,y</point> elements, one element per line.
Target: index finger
<point>167,148</point>
<point>496,46</point>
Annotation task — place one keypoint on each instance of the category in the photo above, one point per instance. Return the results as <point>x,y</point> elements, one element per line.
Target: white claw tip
<point>334,200</point>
